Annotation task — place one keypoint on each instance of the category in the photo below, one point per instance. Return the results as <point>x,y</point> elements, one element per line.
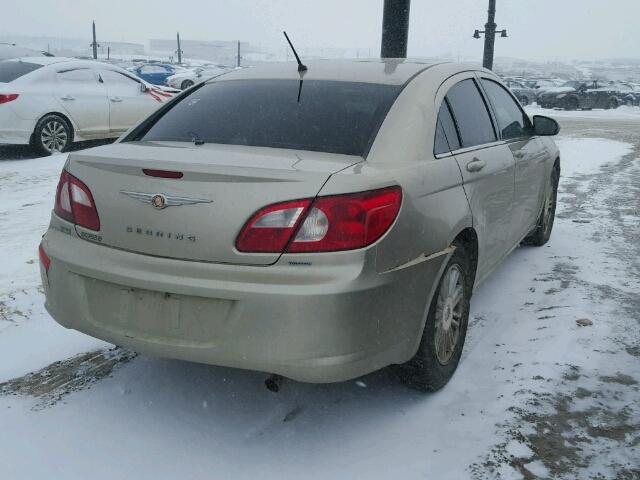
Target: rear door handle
<point>68,97</point>
<point>115,99</point>
<point>475,165</point>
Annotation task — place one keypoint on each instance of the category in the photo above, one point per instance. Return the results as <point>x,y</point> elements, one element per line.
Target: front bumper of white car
<point>173,82</point>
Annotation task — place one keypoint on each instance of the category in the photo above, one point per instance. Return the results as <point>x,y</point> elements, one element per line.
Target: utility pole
<point>395,28</point>
<point>108,53</point>
<point>239,53</point>
<point>490,36</point>
<point>94,44</point>
<point>179,51</point>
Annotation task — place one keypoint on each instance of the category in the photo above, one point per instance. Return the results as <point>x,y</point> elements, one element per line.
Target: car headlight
<point>562,95</point>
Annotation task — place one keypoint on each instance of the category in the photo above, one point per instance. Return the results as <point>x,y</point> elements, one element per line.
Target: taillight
<point>8,97</point>
<point>326,224</point>
<point>270,229</point>
<point>44,258</point>
<point>74,202</point>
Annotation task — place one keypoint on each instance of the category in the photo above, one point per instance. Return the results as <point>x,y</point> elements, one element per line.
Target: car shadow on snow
<point>25,152</point>
<point>220,389</point>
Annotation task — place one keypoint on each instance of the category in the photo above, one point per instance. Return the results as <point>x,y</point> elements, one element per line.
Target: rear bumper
<point>13,129</point>
<point>333,320</point>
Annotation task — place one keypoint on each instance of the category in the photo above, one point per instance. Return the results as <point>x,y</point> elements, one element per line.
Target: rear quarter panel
<point>434,207</point>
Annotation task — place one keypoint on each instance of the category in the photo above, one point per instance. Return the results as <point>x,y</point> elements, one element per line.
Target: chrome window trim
<point>461,151</point>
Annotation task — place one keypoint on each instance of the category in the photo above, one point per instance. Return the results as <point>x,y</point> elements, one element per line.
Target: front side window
<point>112,78</point>
<point>318,115</point>
<point>446,138</point>
<point>471,114</point>
<point>80,75</point>
<point>511,119</point>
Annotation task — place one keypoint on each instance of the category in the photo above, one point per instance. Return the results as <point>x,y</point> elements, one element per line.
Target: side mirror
<point>545,126</point>
<point>143,88</point>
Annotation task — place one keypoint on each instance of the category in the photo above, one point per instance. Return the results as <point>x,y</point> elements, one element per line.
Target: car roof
<point>42,60</point>
<point>384,71</point>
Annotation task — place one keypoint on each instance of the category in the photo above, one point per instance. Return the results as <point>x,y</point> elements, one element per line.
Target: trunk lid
<point>221,187</point>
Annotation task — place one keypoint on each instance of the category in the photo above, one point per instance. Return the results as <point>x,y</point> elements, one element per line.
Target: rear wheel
<point>571,104</point>
<point>540,235</point>
<point>186,84</point>
<point>613,103</point>
<point>445,329</point>
<point>52,134</point>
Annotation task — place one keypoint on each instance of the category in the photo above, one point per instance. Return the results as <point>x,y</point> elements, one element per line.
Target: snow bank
<point>585,156</point>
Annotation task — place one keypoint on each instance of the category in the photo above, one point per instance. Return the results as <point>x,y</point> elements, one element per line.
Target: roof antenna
<point>301,67</point>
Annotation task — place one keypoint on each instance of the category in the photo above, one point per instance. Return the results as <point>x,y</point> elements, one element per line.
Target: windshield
<point>12,70</point>
<point>330,116</point>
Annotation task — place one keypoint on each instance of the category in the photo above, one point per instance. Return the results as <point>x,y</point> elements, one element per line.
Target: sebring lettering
<point>160,234</point>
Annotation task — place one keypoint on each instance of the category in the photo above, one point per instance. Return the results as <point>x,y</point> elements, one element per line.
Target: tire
<point>524,101</point>
<point>612,104</point>
<point>434,364</point>
<point>571,104</point>
<point>186,84</point>
<point>542,231</point>
<point>52,134</point>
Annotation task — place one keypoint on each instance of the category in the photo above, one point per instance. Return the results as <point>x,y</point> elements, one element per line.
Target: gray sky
<point>538,29</point>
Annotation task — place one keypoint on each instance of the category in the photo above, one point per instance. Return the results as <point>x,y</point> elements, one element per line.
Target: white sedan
<point>188,78</point>
<point>50,102</point>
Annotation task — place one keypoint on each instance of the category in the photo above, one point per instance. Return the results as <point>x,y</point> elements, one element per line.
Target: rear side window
<point>318,115</point>
<point>112,78</point>
<point>12,70</point>
<point>446,138</point>
<point>511,119</point>
<point>471,114</point>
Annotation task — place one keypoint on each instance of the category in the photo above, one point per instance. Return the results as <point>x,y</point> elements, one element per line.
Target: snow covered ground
<point>537,395</point>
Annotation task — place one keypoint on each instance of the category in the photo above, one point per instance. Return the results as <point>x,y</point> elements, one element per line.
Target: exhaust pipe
<point>274,383</point>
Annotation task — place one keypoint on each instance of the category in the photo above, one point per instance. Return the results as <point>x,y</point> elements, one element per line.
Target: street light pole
<point>395,28</point>
<point>489,36</point>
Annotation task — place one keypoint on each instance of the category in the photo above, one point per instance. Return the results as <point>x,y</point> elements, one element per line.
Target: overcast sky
<point>538,29</point>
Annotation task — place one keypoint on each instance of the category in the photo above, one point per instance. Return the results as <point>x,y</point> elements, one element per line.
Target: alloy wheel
<point>448,314</point>
<point>54,136</point>
<point>549,205</point>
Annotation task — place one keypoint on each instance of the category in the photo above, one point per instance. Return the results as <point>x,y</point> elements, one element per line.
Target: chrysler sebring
<point>317,225</point>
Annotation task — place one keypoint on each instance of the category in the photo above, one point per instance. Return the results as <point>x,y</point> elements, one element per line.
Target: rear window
<point>330,116</point>
<point>11,70</point>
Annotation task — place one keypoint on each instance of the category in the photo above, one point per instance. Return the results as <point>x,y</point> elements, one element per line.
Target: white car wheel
<point>52,134</point>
